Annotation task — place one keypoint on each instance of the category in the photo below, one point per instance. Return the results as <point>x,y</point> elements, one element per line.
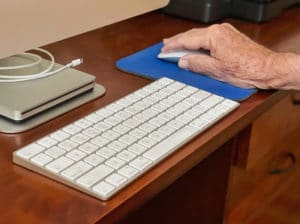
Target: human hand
<point>234,58</point>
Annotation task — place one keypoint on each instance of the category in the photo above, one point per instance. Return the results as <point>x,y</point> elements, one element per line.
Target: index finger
<point>191,40</point>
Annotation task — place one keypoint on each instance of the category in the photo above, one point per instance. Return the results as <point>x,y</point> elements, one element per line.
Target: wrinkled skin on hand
<point>234,58</point>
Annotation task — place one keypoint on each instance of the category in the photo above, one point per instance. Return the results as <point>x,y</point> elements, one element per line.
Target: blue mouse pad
<point>145,63</point>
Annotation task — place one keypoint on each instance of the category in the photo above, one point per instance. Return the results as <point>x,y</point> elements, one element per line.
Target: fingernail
<point>183,63</point>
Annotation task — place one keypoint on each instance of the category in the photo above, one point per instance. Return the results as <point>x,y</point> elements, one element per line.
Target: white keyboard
<point>108,149</point>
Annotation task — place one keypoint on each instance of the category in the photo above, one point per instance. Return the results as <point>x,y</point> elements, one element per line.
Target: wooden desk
<point>188,187</point>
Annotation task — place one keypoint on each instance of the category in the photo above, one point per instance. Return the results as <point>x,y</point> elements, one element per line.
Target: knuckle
<point>221,30</point>
<point>217,29</point>
<point>226,25</point>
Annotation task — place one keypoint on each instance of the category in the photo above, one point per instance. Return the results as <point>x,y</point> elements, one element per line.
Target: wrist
<point>283,70</point>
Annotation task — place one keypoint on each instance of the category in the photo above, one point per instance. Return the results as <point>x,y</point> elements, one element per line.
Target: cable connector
<point>76,62</point>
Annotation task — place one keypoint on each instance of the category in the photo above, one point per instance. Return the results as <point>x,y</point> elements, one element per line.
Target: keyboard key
<point>142,104</point>
<point>138,133</point>
<point>127,139</point>
<point>59,135</point>
<point>151,99</point>
<point>72,129</point>
<point>137,149</point>
<point>184,118</point>
<point>128,171</point>
<point>59,164</point>
<point>123,115</point>
<point>200,95</point>
<point>115,162</point>
<point>176,124</point>
<point>165,81</point>
<point>111,135</point>
<point>147,127</point>
<point>141,118</point>
<point>103,189</point>
<point>88,147</point>
<point>168,102</point>
<point>116,179</point>
<point>174,110</point>
<point>95,175</point>
<point>55,152</point>
<point>140,163</point>
<point>47,142</point>
<point>106,152</point>
<point>104,112</point>
<point>191,101</point>
<point>142,92</point>
<point>157,136</point>
<point>113,120</point>
<point>159,107</point>
<point>147,142</point>
<point>211,101</point>
<point>200,123</point>
<point>227,105</point>
<point>150,112</point>
<point>94,159</point>
<point>126,155</point>
<point>124,102</point>
<point>208,117</point>
<point>94,117</point>
<point>132,123</point>
<point>187,90</point>
<point>76,170</point>
<point>99,141</point>
<point>117,146</point>
<point>30,150</point>
<point>121,129</point>
<point>83,123</point>
<point>76,155</point>
<point>168,90</point>
<point>133,109</point>
<point>68,145</point>
<point>176,85</point>
<point>80,138</point>
<point>166,116</point>
<point>166,130</point>
<point>134,97</point>
<point>41,159</point>
<point>114,107</point>
<point>91,132</point>
<point>102,126</point>
<point>158,122</point>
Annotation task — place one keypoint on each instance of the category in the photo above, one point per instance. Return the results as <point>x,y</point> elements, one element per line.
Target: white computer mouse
<point>176,55</point>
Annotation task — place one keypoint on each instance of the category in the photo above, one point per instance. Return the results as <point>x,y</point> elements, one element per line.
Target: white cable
<point>37,76</point>
<point>36,60</point>
<point>45,73</point>
<point>50,66</point>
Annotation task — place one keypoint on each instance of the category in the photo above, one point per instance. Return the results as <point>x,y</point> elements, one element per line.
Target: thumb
<point>200,64</point>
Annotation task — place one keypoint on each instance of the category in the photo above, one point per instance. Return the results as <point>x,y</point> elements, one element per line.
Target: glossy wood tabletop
<point>26,197</point>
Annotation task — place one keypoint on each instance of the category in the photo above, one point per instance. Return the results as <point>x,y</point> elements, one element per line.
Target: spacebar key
<point>171,143</point>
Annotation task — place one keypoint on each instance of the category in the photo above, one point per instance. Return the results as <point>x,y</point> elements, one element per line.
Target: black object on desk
<point>208,11</point>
